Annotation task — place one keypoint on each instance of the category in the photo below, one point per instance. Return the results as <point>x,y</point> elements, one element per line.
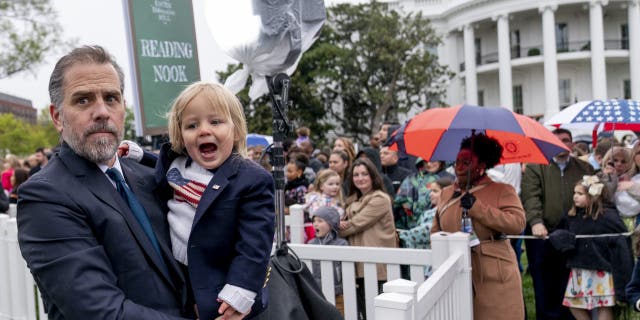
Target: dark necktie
<point>136,208</point>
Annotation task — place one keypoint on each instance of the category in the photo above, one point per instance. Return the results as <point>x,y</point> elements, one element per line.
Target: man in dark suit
<point>96,253</point>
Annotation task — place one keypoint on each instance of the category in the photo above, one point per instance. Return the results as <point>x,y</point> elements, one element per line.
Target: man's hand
<point>539,230</point>
<point>229,313</point>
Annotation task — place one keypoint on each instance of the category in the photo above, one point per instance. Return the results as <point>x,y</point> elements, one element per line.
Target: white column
<point>470,76</point>
<point>550,62</point>
<point>504,61</point>
<point>454,90</point>
<point>634,47</point>
<point>598,67</point>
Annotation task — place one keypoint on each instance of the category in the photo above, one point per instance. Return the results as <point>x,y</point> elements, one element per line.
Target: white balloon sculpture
<point>267,36</point>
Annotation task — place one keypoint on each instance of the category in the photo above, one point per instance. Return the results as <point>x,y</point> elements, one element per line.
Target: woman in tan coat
<point>494,210</point>
<point>368,219</point>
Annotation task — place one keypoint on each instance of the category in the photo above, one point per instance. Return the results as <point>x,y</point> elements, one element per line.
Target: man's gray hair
<point>81,55</point>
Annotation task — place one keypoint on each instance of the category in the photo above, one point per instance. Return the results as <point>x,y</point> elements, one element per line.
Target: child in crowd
<point>295,189</point>
<point>418,237</point>
<point>327,192</point>
<point>297,184</point>
<point>413,194</point>
<point>600,266</point>
<point>303,134</point>
<point>221,204</point>
<point>295,153</point>
<point>326,222</point>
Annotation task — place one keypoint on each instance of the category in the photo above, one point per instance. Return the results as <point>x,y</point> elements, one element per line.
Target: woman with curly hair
<point>489,211</point>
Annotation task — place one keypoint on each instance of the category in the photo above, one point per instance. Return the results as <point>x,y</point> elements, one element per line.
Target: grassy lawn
<point>527,288</point>
<point>625,313</point>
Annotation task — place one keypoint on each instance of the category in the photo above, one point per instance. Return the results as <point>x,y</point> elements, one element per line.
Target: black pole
<point>473,138</point>
<point>279,92</point>
<point>465,211</point>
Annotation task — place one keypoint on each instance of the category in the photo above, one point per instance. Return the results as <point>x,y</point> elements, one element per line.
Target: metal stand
<point>279,92</point>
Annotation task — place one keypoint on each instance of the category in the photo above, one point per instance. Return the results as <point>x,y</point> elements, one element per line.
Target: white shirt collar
<point>116,165</point>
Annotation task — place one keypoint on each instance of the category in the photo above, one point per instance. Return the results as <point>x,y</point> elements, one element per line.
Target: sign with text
<point>163,55</point>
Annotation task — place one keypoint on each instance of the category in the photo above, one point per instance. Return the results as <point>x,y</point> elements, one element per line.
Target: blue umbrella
<point>254,139</point>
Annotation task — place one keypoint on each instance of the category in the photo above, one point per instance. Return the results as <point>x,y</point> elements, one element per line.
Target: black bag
<point>294,293</point>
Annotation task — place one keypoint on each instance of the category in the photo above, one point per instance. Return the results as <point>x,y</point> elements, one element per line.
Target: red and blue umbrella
<point>436,134</point>
<point>600,115</point>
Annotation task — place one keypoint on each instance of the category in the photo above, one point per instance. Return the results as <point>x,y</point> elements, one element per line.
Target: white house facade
<point>536,57</point>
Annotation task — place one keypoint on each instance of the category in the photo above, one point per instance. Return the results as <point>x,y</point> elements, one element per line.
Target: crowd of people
<point>554,203</point>
<point>16,170</point>
<point>187,233</point>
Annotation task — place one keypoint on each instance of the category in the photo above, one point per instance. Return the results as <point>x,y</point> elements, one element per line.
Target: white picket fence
<point>445,295</point>
<point>19,297</point>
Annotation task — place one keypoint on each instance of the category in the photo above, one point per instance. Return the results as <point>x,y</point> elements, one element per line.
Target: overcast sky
<point>102,22</point>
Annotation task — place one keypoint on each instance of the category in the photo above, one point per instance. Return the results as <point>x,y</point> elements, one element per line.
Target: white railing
<point>19,298</point>
<point>348,256</point>
<point>12,210</point>
<point>447,294</point>
<point>402,299</point>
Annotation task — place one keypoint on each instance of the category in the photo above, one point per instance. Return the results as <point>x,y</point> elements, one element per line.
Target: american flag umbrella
<point>600,115</point>
<point>435,134</point>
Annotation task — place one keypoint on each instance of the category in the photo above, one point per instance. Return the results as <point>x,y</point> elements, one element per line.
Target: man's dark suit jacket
<point>89,256</point>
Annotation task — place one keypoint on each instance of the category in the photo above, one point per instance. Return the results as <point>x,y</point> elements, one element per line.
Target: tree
<point>21,138</point>
<point>370,64</point>
<point>129,125</point>
<point>377,64</point>
<point>28,31</point>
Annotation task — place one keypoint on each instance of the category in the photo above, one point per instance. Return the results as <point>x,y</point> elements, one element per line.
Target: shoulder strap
<point>456,199</point>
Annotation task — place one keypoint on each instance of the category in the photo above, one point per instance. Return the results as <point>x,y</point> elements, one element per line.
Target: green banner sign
<point>164,57</point>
